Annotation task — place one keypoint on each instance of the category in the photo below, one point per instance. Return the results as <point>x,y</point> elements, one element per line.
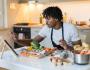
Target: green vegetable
<point>35,45</point>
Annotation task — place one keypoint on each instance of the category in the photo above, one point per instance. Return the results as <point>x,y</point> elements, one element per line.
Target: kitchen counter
<point>30,25</point>
<point>83,27</point>
<point>10,62</point>
<point>41,25</point>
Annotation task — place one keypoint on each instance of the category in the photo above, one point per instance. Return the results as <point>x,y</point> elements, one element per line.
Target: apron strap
<point>53,43</point>
<point>62,30</point>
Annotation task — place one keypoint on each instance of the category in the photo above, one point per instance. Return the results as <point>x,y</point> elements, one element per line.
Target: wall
<point>7,15</point>
<point>78,10</point>
<point>29,13</point>
<point>12,8</point>
<point>3,14</point>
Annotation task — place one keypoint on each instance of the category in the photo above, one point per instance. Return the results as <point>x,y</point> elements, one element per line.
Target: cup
<point>20,36</point>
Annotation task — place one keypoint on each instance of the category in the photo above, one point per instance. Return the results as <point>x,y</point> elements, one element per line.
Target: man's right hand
<point>14,36</point>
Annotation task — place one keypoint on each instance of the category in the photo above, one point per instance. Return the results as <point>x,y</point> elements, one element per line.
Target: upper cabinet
<point>54,1</point>
<point>3,14</point>
<point>48,1</point>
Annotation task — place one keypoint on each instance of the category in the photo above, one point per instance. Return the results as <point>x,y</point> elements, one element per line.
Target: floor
<point>2,68</point>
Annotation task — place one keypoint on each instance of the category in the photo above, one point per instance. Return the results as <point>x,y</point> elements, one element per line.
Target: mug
<point>20,36</point>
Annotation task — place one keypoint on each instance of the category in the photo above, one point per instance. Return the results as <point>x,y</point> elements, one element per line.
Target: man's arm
<point>78,42</point>
<point>67,47</point>
<point>38,38</point>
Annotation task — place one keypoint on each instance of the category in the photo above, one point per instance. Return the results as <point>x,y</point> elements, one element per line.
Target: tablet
<point>11,48</point>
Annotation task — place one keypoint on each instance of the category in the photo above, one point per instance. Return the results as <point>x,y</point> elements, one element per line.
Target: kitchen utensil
<point>81,59</point>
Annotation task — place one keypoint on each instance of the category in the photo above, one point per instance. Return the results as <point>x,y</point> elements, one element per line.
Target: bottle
<point>41,19</point>
<point>65,17</point>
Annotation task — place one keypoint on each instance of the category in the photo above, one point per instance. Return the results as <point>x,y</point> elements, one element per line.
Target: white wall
<point>3,14</point>
<point>79,10</point>
<point>12,12</point>
<point>29,13</point>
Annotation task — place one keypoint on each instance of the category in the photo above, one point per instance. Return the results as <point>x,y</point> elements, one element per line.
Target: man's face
<point>51,22</point>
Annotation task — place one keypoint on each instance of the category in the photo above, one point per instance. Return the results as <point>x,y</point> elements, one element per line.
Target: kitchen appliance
<point>81,59</point>
<point>22,33</point>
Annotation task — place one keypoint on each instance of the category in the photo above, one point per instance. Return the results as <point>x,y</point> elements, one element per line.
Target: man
<point>62,35</point>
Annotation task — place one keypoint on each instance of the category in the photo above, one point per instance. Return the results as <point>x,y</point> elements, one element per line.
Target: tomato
<point>88,52</point>
<point>83,52</point>
<point>24,54</point>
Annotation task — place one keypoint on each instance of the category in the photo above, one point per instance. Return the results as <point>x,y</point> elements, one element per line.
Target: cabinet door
<point>3,13</point>
<point>85,35</point>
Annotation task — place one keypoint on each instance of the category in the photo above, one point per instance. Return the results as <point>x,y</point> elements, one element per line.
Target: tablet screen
<point>11,48</point>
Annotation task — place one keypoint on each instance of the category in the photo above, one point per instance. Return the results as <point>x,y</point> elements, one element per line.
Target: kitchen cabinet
<point>3,13</point>
<point>23,34</point>
<point>56,1</point>
<point>85,35</point>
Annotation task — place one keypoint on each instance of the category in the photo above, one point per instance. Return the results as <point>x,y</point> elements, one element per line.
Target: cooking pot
<point>81,59</point>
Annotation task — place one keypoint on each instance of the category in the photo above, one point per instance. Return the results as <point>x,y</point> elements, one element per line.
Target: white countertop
<point>10,62</point>
<point>83,27</point>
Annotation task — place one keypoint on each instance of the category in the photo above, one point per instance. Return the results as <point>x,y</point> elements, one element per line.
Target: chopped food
<point>30,48</point>
<point>58,60</point>
<point>31,52</point>
<point>35,45</point>
<point>78,47</point>
<point>84,49</point>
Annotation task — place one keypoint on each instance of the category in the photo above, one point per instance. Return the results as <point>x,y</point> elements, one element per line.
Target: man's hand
<point>14,36</point>
<point>63,44</point>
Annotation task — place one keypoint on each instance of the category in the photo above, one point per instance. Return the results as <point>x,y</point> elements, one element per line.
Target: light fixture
<point>32,1</point>
<point>27,1</point>
<point>12,4</point>
<point>22,1</point>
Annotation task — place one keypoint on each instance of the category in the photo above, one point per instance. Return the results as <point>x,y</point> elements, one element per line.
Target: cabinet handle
<point>21,29</point>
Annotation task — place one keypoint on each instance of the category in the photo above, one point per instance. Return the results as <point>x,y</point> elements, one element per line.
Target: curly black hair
<point>54,12</point>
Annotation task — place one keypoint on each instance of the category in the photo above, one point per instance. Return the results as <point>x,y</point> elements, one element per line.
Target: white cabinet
<point>56,1</point>
<point>3,13</point>
<point>85,35</point>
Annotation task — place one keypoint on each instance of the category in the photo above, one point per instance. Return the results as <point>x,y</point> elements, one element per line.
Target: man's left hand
<point>63,44</point>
